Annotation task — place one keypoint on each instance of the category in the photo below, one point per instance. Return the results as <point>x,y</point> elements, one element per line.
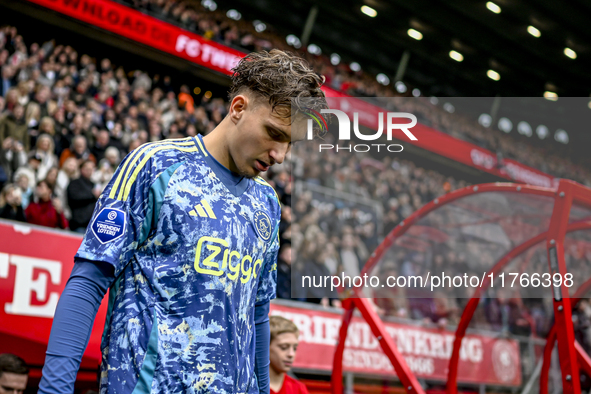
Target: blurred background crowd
<point>67,119</point>
<point>243,35</point>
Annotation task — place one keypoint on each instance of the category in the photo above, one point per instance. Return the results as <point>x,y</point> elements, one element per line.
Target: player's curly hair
<point>281,77</point>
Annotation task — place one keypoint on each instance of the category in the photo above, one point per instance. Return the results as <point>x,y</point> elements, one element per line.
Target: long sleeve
<point>262,338</point>
<point>74,315</point>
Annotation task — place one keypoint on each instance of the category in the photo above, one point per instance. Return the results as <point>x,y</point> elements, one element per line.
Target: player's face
<point>260,139</point>
<point>282,352</point>
<point>13,383</point>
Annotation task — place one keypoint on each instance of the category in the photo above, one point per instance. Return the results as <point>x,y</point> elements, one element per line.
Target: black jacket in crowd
<point>283,279</point>
<point>8,212</point>
<point>81,201</point>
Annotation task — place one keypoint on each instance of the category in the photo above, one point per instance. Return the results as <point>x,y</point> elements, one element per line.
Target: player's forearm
<point>70,332</point>
<point>72,326</point>
<point>262,338</point>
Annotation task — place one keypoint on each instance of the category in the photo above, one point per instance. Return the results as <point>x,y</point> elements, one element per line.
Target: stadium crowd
<point>215,24</point>
<point>67,120</point>
<point>331,239</point>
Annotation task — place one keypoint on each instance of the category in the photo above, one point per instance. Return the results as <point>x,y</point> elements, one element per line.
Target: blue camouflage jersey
<point>192,257</point>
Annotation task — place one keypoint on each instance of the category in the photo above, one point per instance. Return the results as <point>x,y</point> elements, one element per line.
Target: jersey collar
<point>235,183</point>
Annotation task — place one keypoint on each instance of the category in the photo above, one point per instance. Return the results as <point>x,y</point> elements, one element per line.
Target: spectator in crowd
<point>32,117</point>
<point>82,197</point>
<point>12,156</point>
<point>99,149</point>
<point>443,313</point>
<point>13,125</point>
<point>14,374</point>
<point>3,176</point>
<point>284,271</point>
<point>186,100</point>
<point>11,204</point>
<point>520,322</point>
<point>283,348</point>
<point>46,210</point>
<point>7,76</point>
<point>42,96</point>
<point>286,218</point>
<point>498,311</point>
<point>47,126</point>
<point>582,320</point>
<point>107,167</point>
<point>44,149</point>
<point>79,150</point>
<point>313,271</point>
<point>51,179</point>
<point>31,171</point>
<point>65,175</point>
<point>349,256</point>
<point>330,258</point>
<point>23,183</point>
<point>392,302</point>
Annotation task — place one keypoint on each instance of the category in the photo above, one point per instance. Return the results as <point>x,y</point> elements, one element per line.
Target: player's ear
<point>238,106</point>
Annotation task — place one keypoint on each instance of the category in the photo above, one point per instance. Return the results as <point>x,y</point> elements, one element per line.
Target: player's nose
<point>279,152</point>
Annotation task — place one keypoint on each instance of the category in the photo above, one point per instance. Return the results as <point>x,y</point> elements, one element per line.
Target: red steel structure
<point>583,358</point>
<point>569,210</point>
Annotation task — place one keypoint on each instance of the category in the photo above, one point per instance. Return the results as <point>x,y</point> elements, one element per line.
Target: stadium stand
<point>72,107</point>
<point>61,108</point>
<point>241,34</point>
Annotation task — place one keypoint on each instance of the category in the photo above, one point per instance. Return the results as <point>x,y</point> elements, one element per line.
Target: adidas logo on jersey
<point>203,210</point>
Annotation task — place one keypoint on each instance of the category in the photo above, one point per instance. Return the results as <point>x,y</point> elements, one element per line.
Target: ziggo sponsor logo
<point>211,264</point>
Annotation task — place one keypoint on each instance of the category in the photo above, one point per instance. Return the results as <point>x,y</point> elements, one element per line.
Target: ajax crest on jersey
<point>262,223</point>
<point>108,225</point>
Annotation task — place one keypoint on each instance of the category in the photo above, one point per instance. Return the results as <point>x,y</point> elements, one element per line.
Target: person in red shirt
<point>284,344</point>
<point>46,211</point>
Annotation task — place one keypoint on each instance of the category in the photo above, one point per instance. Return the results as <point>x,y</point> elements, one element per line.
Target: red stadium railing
<point>567,195</point>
